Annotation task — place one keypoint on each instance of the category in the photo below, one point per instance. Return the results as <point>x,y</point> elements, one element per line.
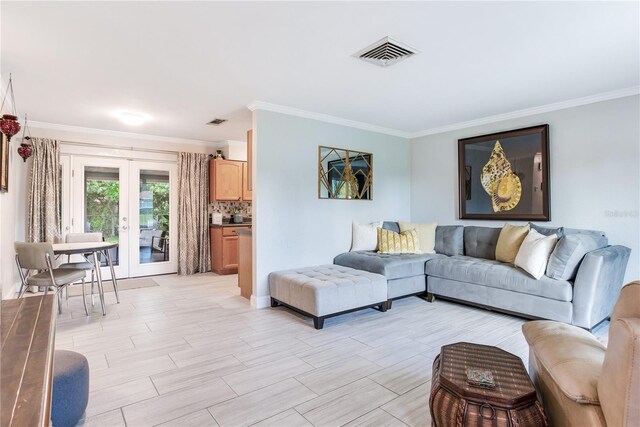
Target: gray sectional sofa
<point>464,269</point>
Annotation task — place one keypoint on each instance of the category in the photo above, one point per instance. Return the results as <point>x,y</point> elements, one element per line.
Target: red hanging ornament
<point>9,125</point>
<point>25,151</point>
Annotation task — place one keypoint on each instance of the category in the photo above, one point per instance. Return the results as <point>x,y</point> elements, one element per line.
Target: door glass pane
<point>154,216</point>
<point>102,204</point>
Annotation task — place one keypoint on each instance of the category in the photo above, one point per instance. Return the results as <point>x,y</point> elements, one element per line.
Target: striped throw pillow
<point>390,242</point>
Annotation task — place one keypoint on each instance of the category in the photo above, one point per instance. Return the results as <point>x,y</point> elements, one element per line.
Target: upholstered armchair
<point>582,382</point>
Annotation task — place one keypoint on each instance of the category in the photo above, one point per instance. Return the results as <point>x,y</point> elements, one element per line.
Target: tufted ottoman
<point>327,290</point>
<point>70,388</point>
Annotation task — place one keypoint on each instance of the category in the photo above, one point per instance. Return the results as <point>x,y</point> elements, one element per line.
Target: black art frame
<point>542,131</point>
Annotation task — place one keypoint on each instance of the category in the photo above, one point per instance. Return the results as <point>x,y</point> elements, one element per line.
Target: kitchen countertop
<point>231,224</point>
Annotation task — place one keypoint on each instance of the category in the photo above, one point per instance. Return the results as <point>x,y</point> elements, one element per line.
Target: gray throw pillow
<point>567,255</point>
<point>391,225</point>
<point>548,231</point>
<point>450,240</point>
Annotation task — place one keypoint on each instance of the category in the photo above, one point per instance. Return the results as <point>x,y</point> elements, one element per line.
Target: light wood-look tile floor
<point>192,352</point>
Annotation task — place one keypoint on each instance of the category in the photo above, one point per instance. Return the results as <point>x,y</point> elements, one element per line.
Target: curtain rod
<point>147,150</point>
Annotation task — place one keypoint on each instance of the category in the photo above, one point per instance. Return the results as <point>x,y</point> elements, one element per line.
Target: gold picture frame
<point>344,174</point>
<point>4,164</point>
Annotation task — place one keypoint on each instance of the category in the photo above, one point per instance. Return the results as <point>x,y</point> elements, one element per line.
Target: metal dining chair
<point>37,257</point>
<point>87,264</point>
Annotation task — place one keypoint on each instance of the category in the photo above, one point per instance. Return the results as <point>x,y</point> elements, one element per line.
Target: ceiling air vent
<point>217,122</point>
<point>385,52</point>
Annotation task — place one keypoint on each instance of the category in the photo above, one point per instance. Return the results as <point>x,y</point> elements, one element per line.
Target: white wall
<point>292,227</point>
<point>595,171</point>
<point>12,218</point>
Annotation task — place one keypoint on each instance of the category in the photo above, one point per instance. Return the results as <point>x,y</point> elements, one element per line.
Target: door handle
<point>124,227</point>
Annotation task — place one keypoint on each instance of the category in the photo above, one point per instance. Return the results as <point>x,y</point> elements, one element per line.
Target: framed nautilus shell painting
<point>505,175</point>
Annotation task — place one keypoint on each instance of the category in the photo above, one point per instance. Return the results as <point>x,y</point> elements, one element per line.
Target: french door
<point>130,202</point>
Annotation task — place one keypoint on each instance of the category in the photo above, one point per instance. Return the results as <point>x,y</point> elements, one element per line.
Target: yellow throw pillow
<point>426,235</point>
<point>390,242</point>
<point>509,242</point>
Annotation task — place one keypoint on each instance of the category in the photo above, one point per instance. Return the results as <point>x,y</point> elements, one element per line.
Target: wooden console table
<point>26,360</point>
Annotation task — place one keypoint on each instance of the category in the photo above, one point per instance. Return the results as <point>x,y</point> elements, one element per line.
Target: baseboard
<point>260,302</point>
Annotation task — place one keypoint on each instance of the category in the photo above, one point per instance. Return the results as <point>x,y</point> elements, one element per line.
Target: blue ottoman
<point>70,388</point>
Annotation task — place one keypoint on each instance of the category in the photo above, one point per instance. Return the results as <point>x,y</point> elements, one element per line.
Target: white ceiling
<point>185,63</point>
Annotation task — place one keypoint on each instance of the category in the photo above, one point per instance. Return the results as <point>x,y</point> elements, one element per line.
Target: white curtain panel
<point>193,204</point>
<point>43,211</point>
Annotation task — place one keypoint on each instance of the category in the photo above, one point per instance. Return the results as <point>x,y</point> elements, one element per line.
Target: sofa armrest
<point>598,284</point>
<point>619,382</point>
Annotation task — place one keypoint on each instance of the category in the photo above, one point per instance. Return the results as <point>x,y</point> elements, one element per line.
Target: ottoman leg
<point>318,322</point>
<point>389,302</point>
<point>384,306</point>
<point>430,297</point>
<point>274,302</point>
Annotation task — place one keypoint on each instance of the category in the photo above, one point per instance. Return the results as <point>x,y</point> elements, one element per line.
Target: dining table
<point>93,248</point>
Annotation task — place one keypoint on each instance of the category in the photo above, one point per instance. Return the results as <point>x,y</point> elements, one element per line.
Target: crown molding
<point>606,96</point>
<point>260,105</point>
<point>120,134</point>
<point>266,106</point>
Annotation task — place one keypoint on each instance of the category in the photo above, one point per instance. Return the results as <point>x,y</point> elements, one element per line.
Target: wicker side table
<point>455,403</point>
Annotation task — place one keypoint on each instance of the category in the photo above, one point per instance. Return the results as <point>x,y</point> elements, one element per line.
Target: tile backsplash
<point>227,208</point>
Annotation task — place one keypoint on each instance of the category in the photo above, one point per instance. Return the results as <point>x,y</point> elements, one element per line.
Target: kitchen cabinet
<point>247,194</point>
<point>228,181</point>
<point>224,248</point>
<point>225,180</point>
<point>250,159</point>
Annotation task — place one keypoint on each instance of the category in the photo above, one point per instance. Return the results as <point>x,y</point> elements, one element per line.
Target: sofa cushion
<point>391,225</point>
<point>480,242</point>
<point>364,237</point>
<point>559,231</point>
<point>498,275</point>
<point>450,239</point>
<point>568,253</point>
<point>426,234</point>
<point>599,236</point>
<point>511,237</point>
<point>391,266</point>
<point>534,253</point>
<point>390,242</point>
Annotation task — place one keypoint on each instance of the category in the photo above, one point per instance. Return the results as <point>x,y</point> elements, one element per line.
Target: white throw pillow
<point>426,235</point>
<point>365,236</point>
<point>534,253</point>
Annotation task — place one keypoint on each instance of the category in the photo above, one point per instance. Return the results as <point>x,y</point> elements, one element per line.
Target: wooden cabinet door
<point>229,252</point>
<point>249,159</point>
<point>212,176</point>
<point>247,194</point>
<point>215,263</point>
<point>227,180</point>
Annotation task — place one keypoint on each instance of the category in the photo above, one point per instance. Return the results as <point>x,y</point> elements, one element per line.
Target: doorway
<point>131,202</point>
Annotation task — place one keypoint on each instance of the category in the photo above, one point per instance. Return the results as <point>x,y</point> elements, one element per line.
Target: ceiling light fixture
<point>132,118</point>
